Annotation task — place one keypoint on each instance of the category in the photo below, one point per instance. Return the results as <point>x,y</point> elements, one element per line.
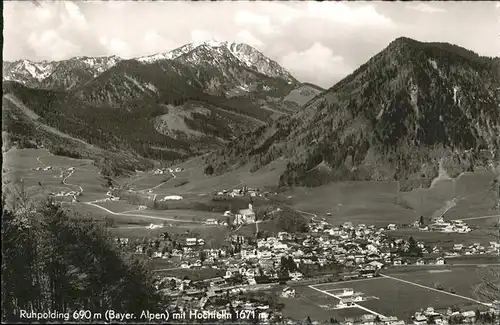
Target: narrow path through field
<point>69,175</point>
<point>152,188</point>
<point>482,217</point>
<point>138,215</point>
<point>442,211</point>
<point>354,305</point>
<point>432,289</point>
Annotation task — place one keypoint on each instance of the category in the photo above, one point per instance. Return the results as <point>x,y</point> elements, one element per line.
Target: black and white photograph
<point>251,162</point>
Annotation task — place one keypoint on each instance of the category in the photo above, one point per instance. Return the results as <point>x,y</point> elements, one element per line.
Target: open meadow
<point>357,202</point>
<point>316,305</point>
<point>190,215</point>
<point>396,298</point>
<point>462,280</point>
<point>192,180</point>
<point>20,164</point>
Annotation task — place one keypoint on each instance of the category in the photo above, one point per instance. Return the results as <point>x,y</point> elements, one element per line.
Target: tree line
<point>52,261</point>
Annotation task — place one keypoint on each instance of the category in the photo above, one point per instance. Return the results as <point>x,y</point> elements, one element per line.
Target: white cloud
<point>278,29</point>
<point>116,46</point>
<point>74,17</point>
<point>50,44</point>
<point>262,22</point>
<point>427,8</point>
<point>43,14</point>
<point>155,43</point>
<point>246,37</point>
<point>286,13</point>
<point>317,62</point>
<point>343,13</point>
<point>245,16</point>
<point>199,35</point>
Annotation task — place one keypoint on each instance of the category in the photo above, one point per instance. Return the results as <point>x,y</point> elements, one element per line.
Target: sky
<point>317,42</point>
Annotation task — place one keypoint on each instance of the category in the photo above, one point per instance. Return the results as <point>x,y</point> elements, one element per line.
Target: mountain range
<point>410,109</point>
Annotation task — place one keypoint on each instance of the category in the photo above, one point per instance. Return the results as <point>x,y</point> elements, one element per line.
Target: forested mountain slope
<point>396,117</point>
<point>164,108</point>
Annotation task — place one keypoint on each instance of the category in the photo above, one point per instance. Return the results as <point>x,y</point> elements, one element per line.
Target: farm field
<point>117,206</point>
<point>357,202</point>
<point>193,180</point>
<point>87,177</point>
<point>474,259</point>
<point>462,280</point>
<point>19,165</point>
<point>485,223</point>
<point>180,214</point>
<point>309,302</point>
<point>135,231</point>
<point>398,298</point>
<point>148,180</point>
<point>445,240</point>
<point>22,159</point>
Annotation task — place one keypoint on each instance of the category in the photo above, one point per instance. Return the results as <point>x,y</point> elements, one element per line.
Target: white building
<point>211,221</point>
<point>288,293</point>
<point>392,227</point>
<point>172,197</point>
<point>440,261</point>
<point>245,216</point>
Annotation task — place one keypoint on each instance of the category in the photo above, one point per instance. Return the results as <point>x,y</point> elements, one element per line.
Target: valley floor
<point>397,293</point>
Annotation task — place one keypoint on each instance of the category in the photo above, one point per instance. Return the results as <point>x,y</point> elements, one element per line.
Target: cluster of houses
<point>44,168</point>
<point>72,194</point>
<point>216,296</point>
<point>456,316</point>
<point>245,262</point>
<point>474,249</point>
<point>110,197</point>
<point>362,250</point>
<point>161,171</point>
<point>171,197</point>
<point>214,222</point>
<point>440,225</point>
<point>240,192</point>
<point>348,297</point>
<point>370,319</point>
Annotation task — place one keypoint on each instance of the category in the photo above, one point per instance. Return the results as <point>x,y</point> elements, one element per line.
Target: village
<point>325,253</point>
<point>256,273</point>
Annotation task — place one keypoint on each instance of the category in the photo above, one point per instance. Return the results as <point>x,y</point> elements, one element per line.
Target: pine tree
<point>52,261</point>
